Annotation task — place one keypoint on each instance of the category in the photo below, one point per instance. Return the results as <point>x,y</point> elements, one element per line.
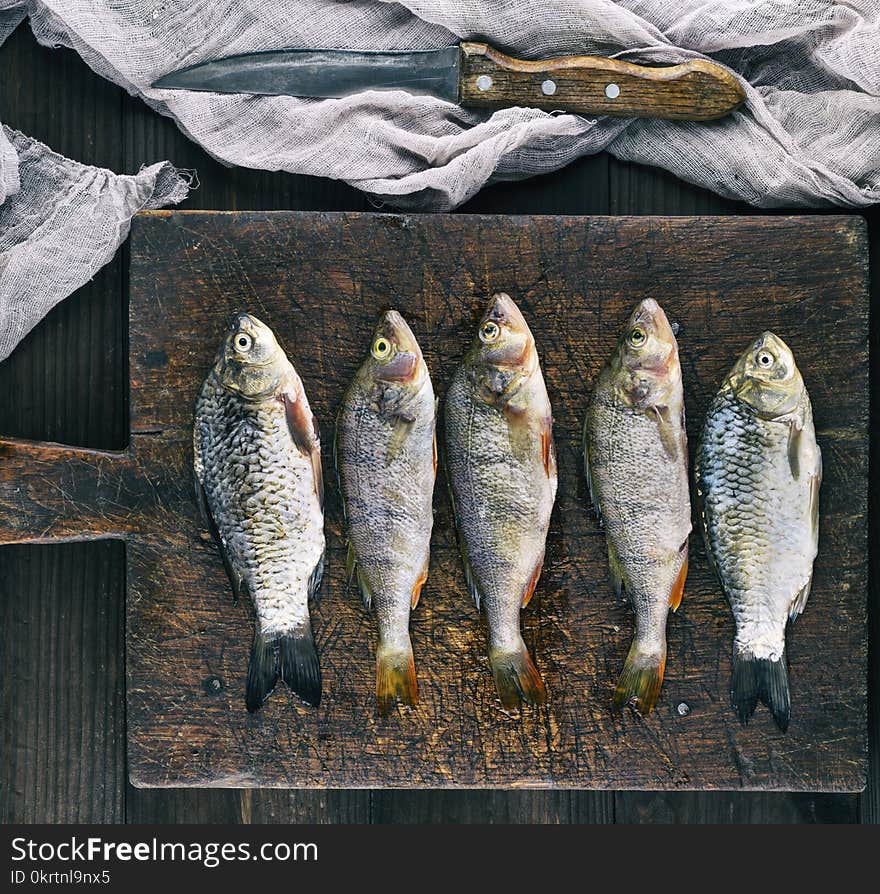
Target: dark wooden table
<point>62,757</point>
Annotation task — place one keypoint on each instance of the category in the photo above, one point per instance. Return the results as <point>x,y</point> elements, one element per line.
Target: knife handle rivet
<point>484,82</point>
<point>548,88</point>
<point>612,91</point>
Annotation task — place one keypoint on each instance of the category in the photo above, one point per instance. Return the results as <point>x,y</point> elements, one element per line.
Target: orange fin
<point>516,678</point>
<point>677,590</point>
<point>395,678</point>
<point>435,455</point>
<point>417,588</point>
<point>548,449</point>
<point>533,583</point>
<point>640,680</point>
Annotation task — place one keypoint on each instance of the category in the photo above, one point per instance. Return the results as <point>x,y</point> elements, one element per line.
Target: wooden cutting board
<point>320,280</point>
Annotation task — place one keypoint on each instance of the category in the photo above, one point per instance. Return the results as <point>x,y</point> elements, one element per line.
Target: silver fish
<point>386,458</point>
<point>259,483</point>
<point>758,473</point>
<point>501,461</point>
<point>635,456</point>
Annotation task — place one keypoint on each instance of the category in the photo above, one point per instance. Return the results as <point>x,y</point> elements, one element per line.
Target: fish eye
<point>242,342</point>
<point>381,348</point>
<point>637,337</point>
<point>765,359</point>
<point>489,331</point>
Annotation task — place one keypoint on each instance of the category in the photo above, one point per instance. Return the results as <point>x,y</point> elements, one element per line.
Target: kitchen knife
<point>476,74</point>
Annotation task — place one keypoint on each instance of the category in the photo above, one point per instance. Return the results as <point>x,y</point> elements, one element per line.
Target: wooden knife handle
<point>693,91</point>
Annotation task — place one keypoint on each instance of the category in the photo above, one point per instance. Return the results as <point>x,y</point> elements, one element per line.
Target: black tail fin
<point>760,679</point>
<point>291,657</point>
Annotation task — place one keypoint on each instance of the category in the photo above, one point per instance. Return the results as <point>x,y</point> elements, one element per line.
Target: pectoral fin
<point>518,433</point>
<point>677,590</point>
<point>399,433</point>
<point>669,438</point>
<point>815,484</point>
<point>548,449</point>
<point>594,499</point>
<point>303,428</point>
<point>366,593</point>
<point>794,449</point>
<point>417,588</point>
<point>799,602</point>
<point>533,583</point>
<point>470,581</point>
<point>350,564</point>
<point>616,569</point>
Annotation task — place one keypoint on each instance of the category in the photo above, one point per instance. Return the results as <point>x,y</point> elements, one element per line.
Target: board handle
<point>51,492</point>
<point>697,90</point>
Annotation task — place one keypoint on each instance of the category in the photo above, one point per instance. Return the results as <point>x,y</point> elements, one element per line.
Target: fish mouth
<point>395,327</point>
<point>402,367</point>
<point>769,401</point>
<point>246,322</point>
<point>502,309</point>
<point>648,311</point>
<point>406,361</point>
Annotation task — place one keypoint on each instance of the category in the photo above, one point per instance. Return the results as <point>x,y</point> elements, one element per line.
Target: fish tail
<point>395,676</point>
<point>291,657</point>
<point>516,677</point>
<point>760,679</point>
<point>641,678</point>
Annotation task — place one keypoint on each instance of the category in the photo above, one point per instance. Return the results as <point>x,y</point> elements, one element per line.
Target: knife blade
<point>476,74</point>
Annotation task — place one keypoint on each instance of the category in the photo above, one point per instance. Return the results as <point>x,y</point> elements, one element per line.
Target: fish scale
<point>646,523</point>
<point>501,464</point>
<point>262,489</point>
<point>386,509</point>
<point>635,453</point>
<point>385,457</point>
<point>758,473</point>
<point>257,463</point>
<point>743,474</point>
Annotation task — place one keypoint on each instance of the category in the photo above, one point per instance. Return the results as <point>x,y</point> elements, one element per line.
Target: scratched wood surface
<point>320,281</point>
<point>62,755</point>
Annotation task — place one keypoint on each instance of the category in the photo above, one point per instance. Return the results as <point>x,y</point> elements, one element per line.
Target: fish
<point>636,465</point>
<point>501,463</point>
<point>259,484</point>
<point>758,471</point>
<point>386,460</point>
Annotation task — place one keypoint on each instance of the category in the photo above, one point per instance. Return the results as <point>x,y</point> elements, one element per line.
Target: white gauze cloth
<point>60,222</point>
<point>809,133</point>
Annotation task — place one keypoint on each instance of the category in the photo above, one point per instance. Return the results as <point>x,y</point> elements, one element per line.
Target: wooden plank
<point>782,268</point>
<point>870,800</point>
<point>244,806</point>
<point>63,753</point>
<point>735,807</point>
<point>492,806</point>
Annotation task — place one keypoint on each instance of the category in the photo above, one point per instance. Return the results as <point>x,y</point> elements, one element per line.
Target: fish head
<point>766,377</point>
<point>503,337</point>
<point>250,362</point>
<point>395,355</point>
<point>646,364</point>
